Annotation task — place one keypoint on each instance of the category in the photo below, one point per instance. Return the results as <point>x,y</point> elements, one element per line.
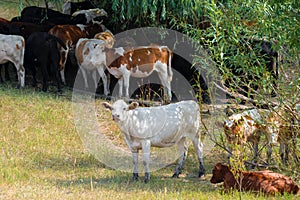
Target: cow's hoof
<point>201,174</point>
<point>147,177</point>
<point>135,177</point>
<point>175,175</point>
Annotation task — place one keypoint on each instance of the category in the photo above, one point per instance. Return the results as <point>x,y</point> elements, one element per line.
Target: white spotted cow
<point>140,62</point>
<point>12,48</point>
<point>162,126</point>
<point>245,127</point>
<point>89,55</point>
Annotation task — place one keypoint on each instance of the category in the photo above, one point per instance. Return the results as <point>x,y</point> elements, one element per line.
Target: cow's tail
<point>58,40</point>
<point>170,72</point>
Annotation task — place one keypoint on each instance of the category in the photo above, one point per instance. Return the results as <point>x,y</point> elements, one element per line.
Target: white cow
<point>89,56</point>
<point>161,126</point>
<point>12,48</point>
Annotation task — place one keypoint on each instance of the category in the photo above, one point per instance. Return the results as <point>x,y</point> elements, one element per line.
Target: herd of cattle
<point>38,41</point>
<point>34,42</point>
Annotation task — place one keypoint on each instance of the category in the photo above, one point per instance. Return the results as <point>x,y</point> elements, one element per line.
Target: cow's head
<point>233,126</point>
<point>219,172</point>
<point>107,37</point>
<point>119,109</point>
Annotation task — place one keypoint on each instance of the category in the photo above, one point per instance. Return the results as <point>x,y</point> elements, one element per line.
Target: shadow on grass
<point>122,182</point>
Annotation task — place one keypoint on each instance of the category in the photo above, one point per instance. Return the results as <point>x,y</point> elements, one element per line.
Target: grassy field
<point>42,157</point>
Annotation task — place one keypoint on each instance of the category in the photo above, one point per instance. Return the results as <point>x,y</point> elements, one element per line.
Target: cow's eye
<point>124,108</point>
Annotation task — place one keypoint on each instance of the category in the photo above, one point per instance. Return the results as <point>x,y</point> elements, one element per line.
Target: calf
<point>161,126</point>
<point>247,126</point>
<point>266,181</point>
<point>140,62</point>
<point>89,57</point>
<point>70,34</point>
<point>39,15</point>
<point>12,49</point>
<point>42,53</point>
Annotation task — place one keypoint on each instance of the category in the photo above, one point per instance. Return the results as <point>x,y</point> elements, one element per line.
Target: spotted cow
<point>89,56</point>
<point>12,48</point>
<point>140,62</point>
<point>162,126</point>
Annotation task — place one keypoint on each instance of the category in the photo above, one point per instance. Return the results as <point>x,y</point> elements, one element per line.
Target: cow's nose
<point>116,117</point>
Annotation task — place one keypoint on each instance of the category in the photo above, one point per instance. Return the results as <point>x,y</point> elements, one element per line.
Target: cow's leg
<point>294,149</point>
<point>45,76</point>
<point>1,80</point>
<point>84,75</point>
<point>283,152</point>
<point>135,158</point>
<point>104,79</point>
<point>120,81</point>
<point>255,151</point>
<point>229,155</point>
<point>21,76</point>
<point>183,150</point>
<point>62,74</point>
<point>62,64</point>
<point>269,153</point>
<point>126,77</point>
<point>57,77</point>
<point>6,65</point>
<point>198,145</point>
<point>163,76</point>
<point>146,158</point>
<point>94,75</point>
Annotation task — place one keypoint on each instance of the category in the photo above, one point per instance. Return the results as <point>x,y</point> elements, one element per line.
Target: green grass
<point>42,157</point>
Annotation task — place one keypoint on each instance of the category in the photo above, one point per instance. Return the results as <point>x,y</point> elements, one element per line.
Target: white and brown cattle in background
<point>124,62</point>
<point>162,126</point>
<point>245,127</point>
<point>89,55</point>
<point>12,48</point>
<point>140,62</point>
<point>70,34</point>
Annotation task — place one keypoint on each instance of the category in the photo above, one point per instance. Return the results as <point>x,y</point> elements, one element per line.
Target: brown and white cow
<point>140,62</point>
<point>265,181</point>
<point>245,127</point>
<point>89,55</point>
<point>70,34</point>
<point>12,48</point>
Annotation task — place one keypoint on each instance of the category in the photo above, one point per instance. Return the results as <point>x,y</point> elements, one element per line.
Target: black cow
<point>25,29</point>
<point>40,15</point>
<point>41,53</point>
<point>265,58</point>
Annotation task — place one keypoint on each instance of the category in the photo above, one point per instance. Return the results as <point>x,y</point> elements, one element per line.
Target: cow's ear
<point>132,106</point>
<point>106,105</point>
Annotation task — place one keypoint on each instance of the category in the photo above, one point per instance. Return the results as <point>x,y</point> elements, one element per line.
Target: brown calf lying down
<point>265,181</point>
